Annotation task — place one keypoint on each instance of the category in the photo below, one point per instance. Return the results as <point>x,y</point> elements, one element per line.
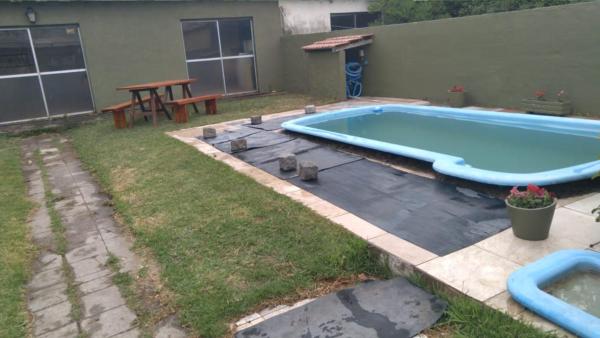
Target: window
<point>42,73</point>
<point>352,20</point>
<point>220,55</point>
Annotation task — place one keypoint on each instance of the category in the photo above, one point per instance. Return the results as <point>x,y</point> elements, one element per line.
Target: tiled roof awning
<point>340,43</point>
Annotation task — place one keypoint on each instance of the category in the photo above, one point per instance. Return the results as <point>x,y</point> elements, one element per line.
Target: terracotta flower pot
<point>531,224</point>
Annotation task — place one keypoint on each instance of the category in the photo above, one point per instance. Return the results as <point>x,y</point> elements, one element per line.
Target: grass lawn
<point>15,248</point>
<point>225,243</point>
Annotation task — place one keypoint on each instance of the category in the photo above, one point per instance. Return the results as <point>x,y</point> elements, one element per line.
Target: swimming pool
<point>483,146</point>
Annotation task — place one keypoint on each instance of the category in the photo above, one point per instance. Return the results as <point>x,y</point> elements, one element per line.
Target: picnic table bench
<point>118,111</point>
<point>157,103</point>
<point>179,106</point>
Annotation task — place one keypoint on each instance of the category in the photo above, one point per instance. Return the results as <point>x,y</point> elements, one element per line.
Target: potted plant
<point>541,105</point>
<point>456,96</point>
<point>531,212</point>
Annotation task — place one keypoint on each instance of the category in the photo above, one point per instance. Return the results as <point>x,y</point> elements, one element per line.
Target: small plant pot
<point>456,99</point>
<point>537,106</point>
<point>531,224</point>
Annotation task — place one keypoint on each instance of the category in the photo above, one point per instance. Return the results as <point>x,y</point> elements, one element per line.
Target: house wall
<point>135,42</point>
<point>313,16</point>
<point>498,58</point>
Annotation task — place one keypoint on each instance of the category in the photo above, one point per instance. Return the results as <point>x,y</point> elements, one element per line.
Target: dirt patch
<point>122,178</point>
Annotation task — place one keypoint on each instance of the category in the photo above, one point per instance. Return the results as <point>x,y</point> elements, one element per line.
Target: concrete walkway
<point>71,293</point>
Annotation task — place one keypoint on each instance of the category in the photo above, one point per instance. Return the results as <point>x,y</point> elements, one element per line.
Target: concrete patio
<point>479,271</point>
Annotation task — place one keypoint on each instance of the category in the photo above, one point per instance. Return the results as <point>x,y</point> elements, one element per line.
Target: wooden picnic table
<point>156,102</point>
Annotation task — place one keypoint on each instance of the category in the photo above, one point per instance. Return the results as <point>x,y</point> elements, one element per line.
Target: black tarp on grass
<point>434,215</point>
<point>228,135</point>
<point>271,153</point>
<point>323,157</point>
<point>382,309</point>
<point>258,140</point>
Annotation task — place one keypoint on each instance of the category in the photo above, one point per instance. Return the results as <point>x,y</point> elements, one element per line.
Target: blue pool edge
<point>524,286</point>
<point>456,166</point>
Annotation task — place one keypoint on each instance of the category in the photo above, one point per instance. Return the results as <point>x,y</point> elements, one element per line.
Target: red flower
<point>456,89</point>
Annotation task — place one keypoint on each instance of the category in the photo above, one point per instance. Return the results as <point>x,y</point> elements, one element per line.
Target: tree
<point>401,11</point>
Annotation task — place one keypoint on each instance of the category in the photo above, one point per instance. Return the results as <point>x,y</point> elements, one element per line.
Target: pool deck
<point>479,271</point>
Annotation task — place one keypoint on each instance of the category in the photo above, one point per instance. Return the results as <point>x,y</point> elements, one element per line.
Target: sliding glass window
<point>42,73</point>
<point>220,55</point>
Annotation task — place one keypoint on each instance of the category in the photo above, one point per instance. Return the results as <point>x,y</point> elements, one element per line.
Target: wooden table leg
<point>159,103</point>
<point>153,107</point>
<point>169,93</point>
<point>132,109</point>
<point>186,91</point>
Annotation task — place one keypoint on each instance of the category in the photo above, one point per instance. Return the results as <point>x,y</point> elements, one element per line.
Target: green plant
<point>533,197</point>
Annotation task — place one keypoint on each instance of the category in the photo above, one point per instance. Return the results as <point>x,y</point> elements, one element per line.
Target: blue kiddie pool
<point>483,146</point>
<point>574,276</point>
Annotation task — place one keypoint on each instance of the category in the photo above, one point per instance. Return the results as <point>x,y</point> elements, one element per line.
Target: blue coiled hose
<point>353,79</point>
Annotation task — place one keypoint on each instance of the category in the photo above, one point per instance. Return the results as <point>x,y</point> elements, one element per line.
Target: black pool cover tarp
<point>258,140</point>
<point>270,153</point>
<point>228,135</point>
<point>323,157</point>
<point>382,309</point>
<point>434,215</point>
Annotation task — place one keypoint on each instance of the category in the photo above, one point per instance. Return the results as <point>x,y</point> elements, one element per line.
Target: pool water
<point>482,145</point>
<point>580,288</point>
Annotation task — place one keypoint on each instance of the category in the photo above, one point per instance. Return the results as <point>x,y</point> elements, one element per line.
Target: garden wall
<point>498,58</point>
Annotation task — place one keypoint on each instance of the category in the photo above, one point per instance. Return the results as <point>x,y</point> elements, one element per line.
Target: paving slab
<point>95,284</point>
<point>507,245</point>
<point>68,331</point>
<point>585,205</point>
<point>393,308</point>
<point>47,261</point>
<point>100,301</point>
<point>46,278</point>
<point>47,297</point>
<point>87,251</point>
<point>52,318</point>
<point>88,266</point>
<point>472,271</point>
<point>109,323</point>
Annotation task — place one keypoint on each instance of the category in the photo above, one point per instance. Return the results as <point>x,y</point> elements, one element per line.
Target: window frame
<point>222,58</point>
<point>39,74</point>
<point>354,18</point>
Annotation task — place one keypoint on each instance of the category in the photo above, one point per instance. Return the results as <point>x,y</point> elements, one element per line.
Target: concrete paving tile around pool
<point>585,205</point>
<point>472,271</point>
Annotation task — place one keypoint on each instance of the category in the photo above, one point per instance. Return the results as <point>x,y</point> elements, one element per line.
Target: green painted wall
<point>134,42</point>
<point>499,58</point>
<point>316,73</point>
